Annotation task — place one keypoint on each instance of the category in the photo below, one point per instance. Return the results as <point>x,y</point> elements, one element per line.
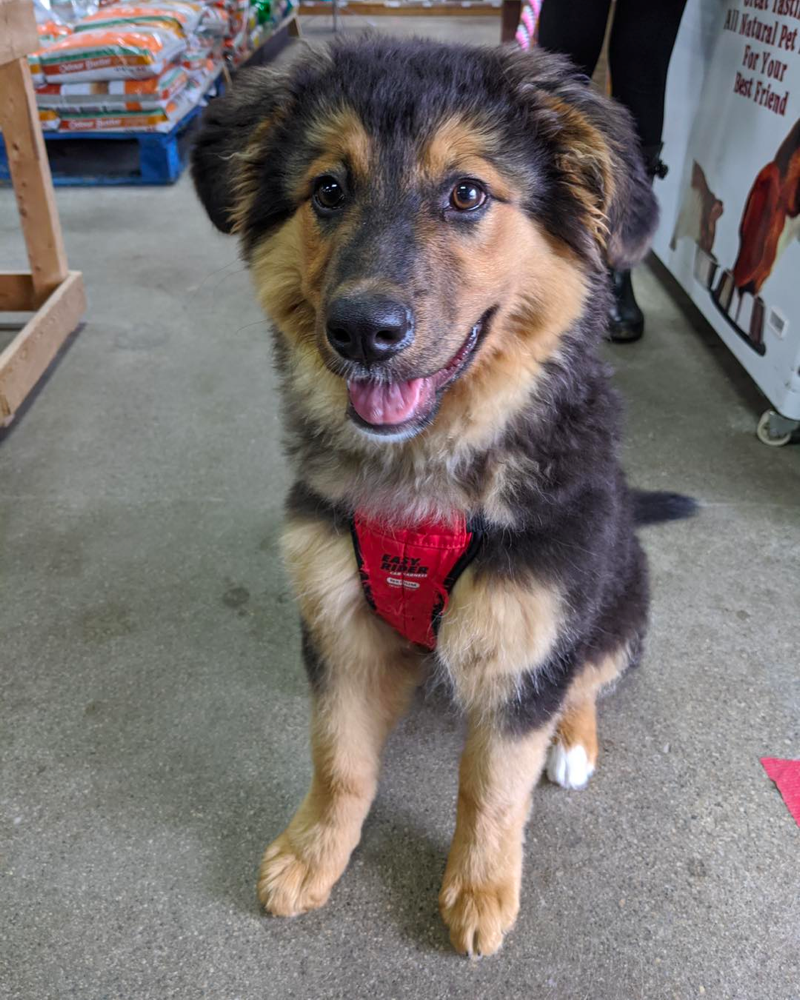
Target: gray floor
<point>154,709</point>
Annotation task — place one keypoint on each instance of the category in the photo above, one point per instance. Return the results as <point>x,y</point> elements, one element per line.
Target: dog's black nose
<point>369,328</point>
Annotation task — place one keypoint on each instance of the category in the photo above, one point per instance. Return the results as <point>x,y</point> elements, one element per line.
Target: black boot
<point>625,319</point>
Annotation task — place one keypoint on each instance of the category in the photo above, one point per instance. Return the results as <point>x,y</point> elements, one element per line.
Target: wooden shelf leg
<point>30,173</point>
<point>510,14</point>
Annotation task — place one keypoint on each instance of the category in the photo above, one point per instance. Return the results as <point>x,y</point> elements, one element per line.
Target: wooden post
<point>18,35</point>
<point>510,14</point>
<point>53,293</point>
<point>30,175</point>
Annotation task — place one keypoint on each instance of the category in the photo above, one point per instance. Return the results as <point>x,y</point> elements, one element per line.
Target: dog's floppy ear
<point>633,209</point>
<point>600,155</point>
<point>597,155</point>
<point>231,126</point>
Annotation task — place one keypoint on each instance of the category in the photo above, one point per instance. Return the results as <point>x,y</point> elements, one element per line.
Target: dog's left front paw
<point>478,916</point>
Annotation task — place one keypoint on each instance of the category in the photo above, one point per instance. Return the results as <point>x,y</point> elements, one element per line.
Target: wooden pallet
<point>49,290</point>
<point>404,8</point>
<point>509,10</point>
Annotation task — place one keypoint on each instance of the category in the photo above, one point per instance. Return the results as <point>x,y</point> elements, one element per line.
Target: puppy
<point>428,228</point>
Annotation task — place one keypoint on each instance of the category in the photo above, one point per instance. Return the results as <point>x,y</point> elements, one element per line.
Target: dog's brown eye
<point>466,196</point>
<point>328,193</point>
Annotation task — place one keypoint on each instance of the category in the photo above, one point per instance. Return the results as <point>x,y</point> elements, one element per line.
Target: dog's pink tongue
<point>387,403</point>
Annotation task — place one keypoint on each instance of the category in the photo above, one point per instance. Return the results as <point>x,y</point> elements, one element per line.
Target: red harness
<point>407,575</point>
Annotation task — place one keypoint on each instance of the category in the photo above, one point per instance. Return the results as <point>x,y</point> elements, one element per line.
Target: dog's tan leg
<point>573,756</point>
<point>479,899</point>
<point>363,675</point>
<point>492,638</point>
<point>350,724</point>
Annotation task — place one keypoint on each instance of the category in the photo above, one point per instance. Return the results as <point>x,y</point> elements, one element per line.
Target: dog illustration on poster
<point>770,223</point>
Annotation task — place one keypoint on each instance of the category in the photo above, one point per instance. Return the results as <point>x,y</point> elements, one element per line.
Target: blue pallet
<point>101,158</point>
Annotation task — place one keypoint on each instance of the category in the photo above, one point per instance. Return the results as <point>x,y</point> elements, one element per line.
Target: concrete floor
<point>154,709</point>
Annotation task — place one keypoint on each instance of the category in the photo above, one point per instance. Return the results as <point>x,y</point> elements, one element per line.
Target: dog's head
<point>424,223</point>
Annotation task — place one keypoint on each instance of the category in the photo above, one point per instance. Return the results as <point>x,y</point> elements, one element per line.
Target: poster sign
<point>730,225</point>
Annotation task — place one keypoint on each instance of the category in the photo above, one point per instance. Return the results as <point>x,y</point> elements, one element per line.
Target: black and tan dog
<point>428,228</point>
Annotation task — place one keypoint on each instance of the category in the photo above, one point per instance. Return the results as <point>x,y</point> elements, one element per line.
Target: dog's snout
<point>369,328</point>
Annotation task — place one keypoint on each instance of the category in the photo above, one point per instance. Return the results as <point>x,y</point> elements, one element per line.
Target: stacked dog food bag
<point>129,65</point>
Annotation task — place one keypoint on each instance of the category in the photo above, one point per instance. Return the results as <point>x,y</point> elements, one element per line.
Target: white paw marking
<point>569,767</point>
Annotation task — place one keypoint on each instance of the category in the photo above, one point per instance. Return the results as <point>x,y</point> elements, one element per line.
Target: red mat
<point>786,776</point>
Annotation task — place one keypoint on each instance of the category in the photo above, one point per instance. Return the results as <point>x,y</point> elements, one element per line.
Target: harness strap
<point>408,574</point>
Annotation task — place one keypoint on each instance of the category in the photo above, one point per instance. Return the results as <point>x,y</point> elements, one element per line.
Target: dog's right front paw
<point>288,885</point>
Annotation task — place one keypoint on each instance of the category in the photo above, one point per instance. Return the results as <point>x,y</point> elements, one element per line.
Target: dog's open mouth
<point>391,407</point>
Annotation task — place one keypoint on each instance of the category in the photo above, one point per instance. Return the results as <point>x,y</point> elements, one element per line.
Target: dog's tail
<point>653,506</point>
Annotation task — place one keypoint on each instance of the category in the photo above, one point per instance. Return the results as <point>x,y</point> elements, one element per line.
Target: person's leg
<point>642,38</point>
<point>575,28</point>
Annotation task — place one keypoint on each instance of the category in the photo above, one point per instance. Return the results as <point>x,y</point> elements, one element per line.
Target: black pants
<point>642,38</point>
